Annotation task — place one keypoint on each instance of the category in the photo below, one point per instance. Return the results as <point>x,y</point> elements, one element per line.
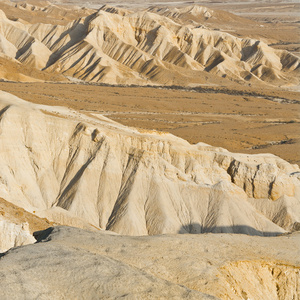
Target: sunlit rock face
<point>86,170</point>
<point>13,235</point>
<point>152,46</point>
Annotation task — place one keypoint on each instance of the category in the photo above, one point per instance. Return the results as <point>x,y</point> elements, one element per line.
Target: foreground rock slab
<point>71,263</point>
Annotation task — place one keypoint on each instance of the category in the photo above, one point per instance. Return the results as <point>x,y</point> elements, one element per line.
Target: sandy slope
<point>148,46</point>
<point>18,225</point>
<point>73,263</point>
<point>117,178</point>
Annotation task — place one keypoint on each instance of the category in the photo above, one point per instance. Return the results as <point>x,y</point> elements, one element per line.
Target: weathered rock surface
<point>62,165</point>
<point>145,47</point>
<point>72,263</point>
<point>13,235</point>
<point>18,225</point>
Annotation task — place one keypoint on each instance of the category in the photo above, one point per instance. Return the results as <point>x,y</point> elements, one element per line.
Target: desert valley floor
<point>240,119</point>
<point>149,150</point>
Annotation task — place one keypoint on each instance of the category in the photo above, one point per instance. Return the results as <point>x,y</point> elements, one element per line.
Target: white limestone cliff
<point>54,159</point>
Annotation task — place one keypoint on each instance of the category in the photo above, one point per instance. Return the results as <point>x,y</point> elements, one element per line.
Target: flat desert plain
<point>239,119</point>
<point>249,118</point>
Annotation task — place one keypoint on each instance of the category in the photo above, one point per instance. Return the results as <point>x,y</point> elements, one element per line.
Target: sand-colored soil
<point>13,71</point>
<point>42,12</point>
<point>54,160</point>
<point>18,215</point>
<point>278,20</point>
<point>184,46</point>
<point>248,120</point>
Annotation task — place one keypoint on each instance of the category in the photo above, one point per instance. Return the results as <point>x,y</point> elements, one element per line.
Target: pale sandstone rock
<point>18,225</point>
<point>149,46</point>
<point>54,159</point>
<point>13,235</point>
<point>75,263</point>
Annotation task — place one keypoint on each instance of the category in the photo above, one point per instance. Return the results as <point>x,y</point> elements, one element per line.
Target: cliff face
<point>80,167</point>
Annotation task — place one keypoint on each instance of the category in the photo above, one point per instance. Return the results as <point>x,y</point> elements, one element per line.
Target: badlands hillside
<point>60,166</point>
<point>148,46</point>
<point>93,209</point>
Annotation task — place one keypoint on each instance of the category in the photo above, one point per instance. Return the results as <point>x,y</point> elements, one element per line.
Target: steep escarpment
<point>145,47</point>
<point>135,183</point>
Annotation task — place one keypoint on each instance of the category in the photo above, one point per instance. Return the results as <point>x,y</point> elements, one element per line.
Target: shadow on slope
<point>196,228</point>
<point>42,234</point>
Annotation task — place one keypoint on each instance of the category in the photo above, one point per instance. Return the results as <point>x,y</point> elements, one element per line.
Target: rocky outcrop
<point>17,226</point>
<point>13,235</point>
<point>70,261</point>
<point>58,162</point>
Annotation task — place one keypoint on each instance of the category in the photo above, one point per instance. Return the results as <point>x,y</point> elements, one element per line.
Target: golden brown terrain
<point>88,97</point>
<point>19,215</point>
<point>240,115</point>
<point>239,119</point>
